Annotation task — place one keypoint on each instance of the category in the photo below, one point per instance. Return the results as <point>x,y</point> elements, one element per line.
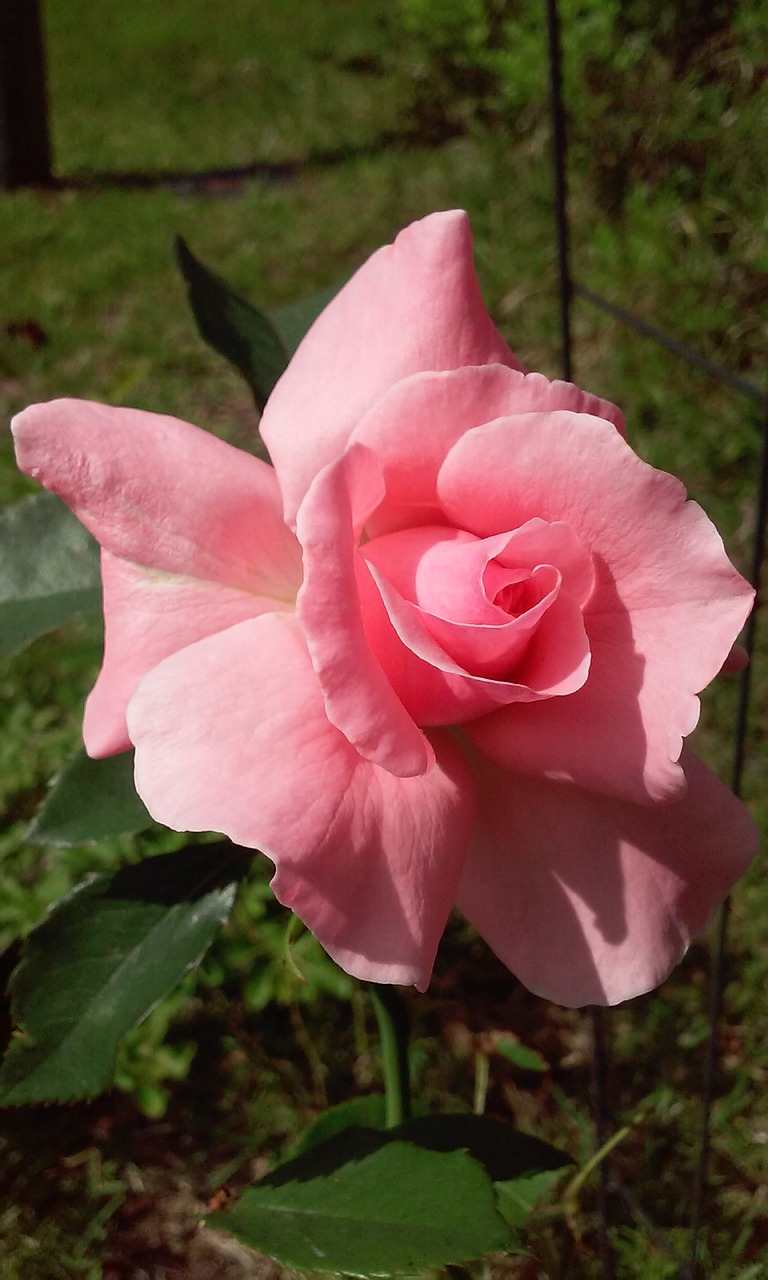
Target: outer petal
<point>162,493</point>
<point>369,861</point>
<point>666,607</point>
<point>359,698</point>
<point>418,420</point>
<point>591,900</point>
<point>414,306</point>
<point>149,615</point>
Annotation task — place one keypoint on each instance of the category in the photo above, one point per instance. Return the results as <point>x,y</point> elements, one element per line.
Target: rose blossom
<point>446,652</point>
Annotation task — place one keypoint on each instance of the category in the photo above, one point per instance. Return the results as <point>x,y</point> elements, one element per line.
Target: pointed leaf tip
<point>240,332</point>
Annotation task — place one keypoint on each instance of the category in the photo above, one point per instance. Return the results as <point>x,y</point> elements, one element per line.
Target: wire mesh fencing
<point>689,1265</point>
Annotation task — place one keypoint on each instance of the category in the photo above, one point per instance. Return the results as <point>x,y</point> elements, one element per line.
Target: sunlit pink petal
<point>557,543</point>
<point>369,861</point>
<point>539,395</point>
<point>149,614</point>
<point>661,620</point>
<point>440,569</point>
<point>434,583</point>
<point>438,689</point>
<point>413,306</point>
<point>162,493</point>
<point>359,699</point>
<point>415,423</point>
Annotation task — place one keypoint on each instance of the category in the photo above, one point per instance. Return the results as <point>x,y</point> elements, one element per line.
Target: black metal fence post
<point>562,228</point>
<point>570,289</point>
<point>559,162</point>
<point>25,149</point>
<point>717,978</point>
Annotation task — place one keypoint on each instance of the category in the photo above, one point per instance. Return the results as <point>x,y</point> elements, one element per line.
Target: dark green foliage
<point>240,332</point>
<point>369,1205</point>
<point>100,961</point>
<point>90,800</point>
<point>504,1154</point>
<point>49,570</point>
<point>257,343</point>
<point>366,1113</point>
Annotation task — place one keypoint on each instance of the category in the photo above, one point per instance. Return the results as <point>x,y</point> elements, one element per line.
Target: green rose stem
<point>392,1018</point>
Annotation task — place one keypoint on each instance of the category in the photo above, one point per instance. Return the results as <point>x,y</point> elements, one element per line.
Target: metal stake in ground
<point>25,149</point>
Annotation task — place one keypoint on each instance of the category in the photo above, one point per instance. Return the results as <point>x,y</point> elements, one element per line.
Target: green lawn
<point>187,86</point>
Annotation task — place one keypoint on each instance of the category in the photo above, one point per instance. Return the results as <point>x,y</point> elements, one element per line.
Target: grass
<point>270,88</point>
<point>165,88</point>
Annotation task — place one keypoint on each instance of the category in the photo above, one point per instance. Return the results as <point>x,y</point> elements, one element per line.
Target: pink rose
<point>446,652</point>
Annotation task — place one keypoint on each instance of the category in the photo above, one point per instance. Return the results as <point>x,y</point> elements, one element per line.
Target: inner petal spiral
<point>443,571</point>
<point>464,624</point>
<point>481,612</point>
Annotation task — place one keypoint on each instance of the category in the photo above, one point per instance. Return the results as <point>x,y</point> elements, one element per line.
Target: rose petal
<point>448,572</point>
<point>414,305</point>
<point>369,861</point>
<point>162,493</point>
<point>592,900</point>
<point>440,569</point>
<point>498,651</point>
<point>665,610</point>
<point>539,542</point>
<point>542,396</point>
<point>148,615</point>
<point>433,581</point>
<point>435,688</point>
<point>359,700</point>
<point>596,737</point>
<point>418,420</point>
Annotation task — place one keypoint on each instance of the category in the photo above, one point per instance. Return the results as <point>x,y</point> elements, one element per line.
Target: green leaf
<point>521,1055</point>
<point>90,800</point>
<point>503,1152</point>
<point>368,1112</point>
<point>516,1199</point>
<point>103,958</point>
<point>240,332</point>
<point>49,570</point>
<point>523,1168</point>
<point>366,1204</point>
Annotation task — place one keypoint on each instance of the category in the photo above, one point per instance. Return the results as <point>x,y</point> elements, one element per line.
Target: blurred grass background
<point>387,110</point>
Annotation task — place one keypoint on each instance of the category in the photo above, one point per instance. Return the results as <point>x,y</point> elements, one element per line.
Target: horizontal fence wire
<point>680,349</point>
<point>569,289</point>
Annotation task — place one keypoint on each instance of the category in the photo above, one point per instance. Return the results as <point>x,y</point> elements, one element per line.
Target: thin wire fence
<point>570,289</point>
